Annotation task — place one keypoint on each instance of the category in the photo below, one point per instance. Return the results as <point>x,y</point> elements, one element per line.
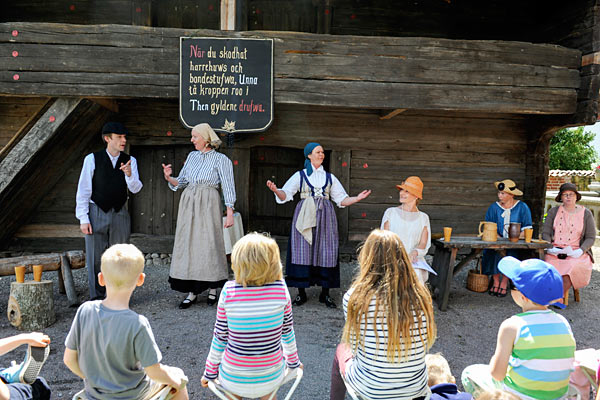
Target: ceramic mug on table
<point>489,232</point>
<point>514,231</point>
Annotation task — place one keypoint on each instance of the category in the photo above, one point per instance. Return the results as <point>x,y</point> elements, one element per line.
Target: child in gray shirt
<point>110,346</point>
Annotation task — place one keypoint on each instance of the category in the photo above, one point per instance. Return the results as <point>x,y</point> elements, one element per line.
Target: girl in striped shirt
<point>253,340</point>
<point>389,326</point>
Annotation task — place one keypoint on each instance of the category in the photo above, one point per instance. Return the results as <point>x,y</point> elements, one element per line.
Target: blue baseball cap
<point>539,281</point>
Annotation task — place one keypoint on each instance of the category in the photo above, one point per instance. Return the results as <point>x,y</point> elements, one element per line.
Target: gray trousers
<point>107,229</point>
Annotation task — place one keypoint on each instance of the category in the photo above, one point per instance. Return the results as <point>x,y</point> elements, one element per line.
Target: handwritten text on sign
<point>227,83</point>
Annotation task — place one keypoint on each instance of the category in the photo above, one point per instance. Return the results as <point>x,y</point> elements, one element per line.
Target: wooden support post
<point>31,305</point>
<point>67,276</point>
<point>61,283</point>
<point>228,12</point>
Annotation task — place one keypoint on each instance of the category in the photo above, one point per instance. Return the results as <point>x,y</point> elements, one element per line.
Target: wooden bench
<point>63,263</point>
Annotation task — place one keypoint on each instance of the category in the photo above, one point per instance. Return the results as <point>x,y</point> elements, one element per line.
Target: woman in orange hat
<point>411,225</point>
<point>506,210</point>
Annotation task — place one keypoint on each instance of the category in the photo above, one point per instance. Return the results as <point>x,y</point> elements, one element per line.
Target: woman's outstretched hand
<point>272,186</point>
<point>167,171</point>
<point>363,195</point>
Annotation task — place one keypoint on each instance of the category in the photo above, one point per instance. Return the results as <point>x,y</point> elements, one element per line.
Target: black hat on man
<point>114,127</point>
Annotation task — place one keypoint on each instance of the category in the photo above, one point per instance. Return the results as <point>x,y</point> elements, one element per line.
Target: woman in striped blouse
<point>389,326</point>
<point>254,338</point>
<point>199,260</point>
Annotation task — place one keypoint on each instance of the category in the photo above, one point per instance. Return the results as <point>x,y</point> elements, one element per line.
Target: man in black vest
<point>101,196</point>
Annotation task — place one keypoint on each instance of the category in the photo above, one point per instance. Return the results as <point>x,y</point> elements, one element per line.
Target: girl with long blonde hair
<point>389,326</point>
<point>254,340</point>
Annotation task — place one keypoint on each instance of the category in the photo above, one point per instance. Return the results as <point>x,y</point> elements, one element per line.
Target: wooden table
<point>444,259</point>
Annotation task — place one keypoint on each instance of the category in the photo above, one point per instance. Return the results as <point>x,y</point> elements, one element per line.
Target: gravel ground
<point>466,332</point>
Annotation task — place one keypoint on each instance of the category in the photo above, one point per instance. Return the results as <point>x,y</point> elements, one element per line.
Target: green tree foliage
<point>572,149</point>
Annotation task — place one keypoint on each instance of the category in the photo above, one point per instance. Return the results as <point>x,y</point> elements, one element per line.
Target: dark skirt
<point>196,287</point>
<point>491,258</point>
<point>304,276</point>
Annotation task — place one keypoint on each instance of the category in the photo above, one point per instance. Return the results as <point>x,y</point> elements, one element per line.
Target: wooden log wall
<point>16,113</point>
<point>458,156</point>
<point>349,71</point>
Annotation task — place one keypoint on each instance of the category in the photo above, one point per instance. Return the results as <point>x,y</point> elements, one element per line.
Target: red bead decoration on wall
<point>15,33</point>
<point>353,16</point>
<point>169,133</point>
<point>235,162</point>
<point>365,165</point>
<point>138,9</point>
<point>52,119</point>
<point>16,77</point>
<point>211,7</point>
<point>15,53</point>
<point>262,138</point>
<point>72,7</point>
<point>326,11</point>
<point>344,164</point>
<point>364,215</point>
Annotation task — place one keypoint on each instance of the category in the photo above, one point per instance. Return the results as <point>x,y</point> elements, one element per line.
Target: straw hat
<point>508,186</point>
<point>567,187</point>
<point>412,185</point>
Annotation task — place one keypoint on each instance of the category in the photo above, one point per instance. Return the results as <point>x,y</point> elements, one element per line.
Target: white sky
<point>596,129</point>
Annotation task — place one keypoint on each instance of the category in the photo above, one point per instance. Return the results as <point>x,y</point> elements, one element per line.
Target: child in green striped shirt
<point>535,349</point>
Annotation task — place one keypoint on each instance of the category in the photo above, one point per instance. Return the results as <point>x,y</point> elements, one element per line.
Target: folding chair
<point>572,393</point>
<point>290,374</point>
<point>163,394</point>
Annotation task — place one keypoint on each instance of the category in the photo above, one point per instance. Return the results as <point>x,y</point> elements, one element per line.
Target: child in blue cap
<point>536,348</point>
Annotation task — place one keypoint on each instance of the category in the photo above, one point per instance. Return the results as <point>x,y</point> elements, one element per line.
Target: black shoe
<point>187,303</point>
<point>327,300</point>
<point>502,292</point>
<point>211,299</point>
<point>299,300</point>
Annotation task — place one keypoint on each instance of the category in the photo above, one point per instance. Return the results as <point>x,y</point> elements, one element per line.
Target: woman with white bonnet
<point>199,261</point>
<point>411,224</point>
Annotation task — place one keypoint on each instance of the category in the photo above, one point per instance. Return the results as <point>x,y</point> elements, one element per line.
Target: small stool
<point>164,394</point>
<point>295,374</point>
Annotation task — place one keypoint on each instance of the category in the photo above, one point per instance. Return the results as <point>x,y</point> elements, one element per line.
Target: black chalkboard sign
<point>227,83</point>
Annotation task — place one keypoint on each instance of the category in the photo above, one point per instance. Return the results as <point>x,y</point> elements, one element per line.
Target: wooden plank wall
<point>15,112</point>
<point>458,156</point>
<point>357,72</point>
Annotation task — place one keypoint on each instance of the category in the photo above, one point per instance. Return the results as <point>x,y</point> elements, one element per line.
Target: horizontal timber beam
<point>121,61</point>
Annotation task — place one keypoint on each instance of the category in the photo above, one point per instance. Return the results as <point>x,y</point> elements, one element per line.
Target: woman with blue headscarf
<point>312,256</point>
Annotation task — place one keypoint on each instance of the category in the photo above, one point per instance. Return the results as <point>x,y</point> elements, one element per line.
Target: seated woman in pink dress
<point>571,230</point>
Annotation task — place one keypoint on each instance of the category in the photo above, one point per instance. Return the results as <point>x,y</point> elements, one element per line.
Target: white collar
<point>514,205</point>
<point>320,169</point>
<point>111,156</point>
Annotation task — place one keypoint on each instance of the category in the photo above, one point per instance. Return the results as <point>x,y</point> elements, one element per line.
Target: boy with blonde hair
<point>441,382</point>
<point>535,349</point>
<point>107,338</point>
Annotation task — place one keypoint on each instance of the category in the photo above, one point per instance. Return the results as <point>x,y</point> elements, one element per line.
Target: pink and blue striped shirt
<point>253,338</point>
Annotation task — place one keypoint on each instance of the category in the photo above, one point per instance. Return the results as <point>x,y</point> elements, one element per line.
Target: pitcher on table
<point>506,211</point>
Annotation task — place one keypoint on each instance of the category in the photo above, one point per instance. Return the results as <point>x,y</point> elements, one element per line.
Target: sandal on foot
<point>493,292</point>
<point>502,292</point>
